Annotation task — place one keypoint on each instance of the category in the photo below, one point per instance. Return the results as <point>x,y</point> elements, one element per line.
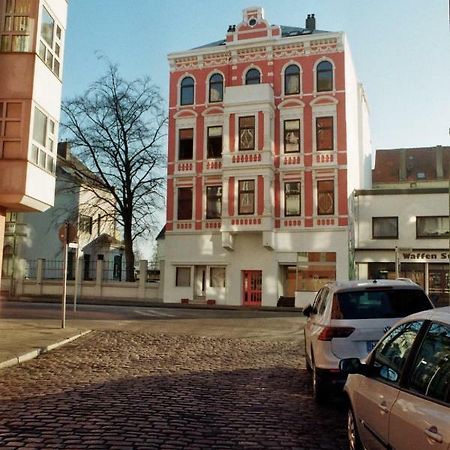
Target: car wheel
<point>320,389</point>
<point>354,442</point>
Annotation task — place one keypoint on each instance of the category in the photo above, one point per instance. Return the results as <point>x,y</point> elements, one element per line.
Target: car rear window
<point>378,304</point>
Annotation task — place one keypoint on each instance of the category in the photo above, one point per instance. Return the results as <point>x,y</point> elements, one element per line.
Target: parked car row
<point>397,386</point>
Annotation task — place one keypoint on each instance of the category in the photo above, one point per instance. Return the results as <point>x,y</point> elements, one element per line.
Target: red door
<point>251,287</point>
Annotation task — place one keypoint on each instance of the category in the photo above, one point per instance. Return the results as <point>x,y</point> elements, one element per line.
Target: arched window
<point>253,77</point>
<point>187,91</point>
<point>324,76</point>
<point>216,88</point>
<point>292,80</point>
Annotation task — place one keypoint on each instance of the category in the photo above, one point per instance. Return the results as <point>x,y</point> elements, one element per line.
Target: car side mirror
<point>309,310</point>
<point>352,365</point>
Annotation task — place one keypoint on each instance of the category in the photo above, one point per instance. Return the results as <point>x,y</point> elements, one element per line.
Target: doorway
<point>200,282</point>
<point>252,287</point>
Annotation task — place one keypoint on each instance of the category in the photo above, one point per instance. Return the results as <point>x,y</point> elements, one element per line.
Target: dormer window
<point>324,76</point>
<point>216,88</point>
<point>187,91</point>
<point>253,76</point>
<point>292,80</point>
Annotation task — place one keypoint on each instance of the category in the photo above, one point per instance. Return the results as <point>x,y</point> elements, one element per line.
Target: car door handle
<point>433,434</point>
<point>383,407</point>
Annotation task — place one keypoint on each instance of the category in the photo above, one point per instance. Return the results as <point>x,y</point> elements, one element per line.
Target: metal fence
<point>30,269</point>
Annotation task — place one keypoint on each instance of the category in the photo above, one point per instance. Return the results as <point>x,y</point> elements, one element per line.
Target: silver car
<point>400,398</point>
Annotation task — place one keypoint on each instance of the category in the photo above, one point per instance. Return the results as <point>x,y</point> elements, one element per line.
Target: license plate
<point>371,345</point>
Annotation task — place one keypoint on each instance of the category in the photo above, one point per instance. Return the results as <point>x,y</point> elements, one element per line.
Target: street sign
<point>67,233</point>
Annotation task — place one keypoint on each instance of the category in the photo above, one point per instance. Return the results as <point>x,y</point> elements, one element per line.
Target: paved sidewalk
<point>21,340</point>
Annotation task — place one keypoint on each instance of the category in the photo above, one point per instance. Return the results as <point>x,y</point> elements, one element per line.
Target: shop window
<point>313,271</point>
<point>186,144</point>
<point>187,91</point>
<point>214,144</point>
<point>183,277</point>
<point>385,227</point>
<point>216,88</point>
<point>50,42</point>
<point>247,133</point>
<point>325,197</point>
<point>184,209</point>
<point>217,277</point>
<point>253,76</point>
<point>324,76</point>
<point>292,198</point>
<point>291,136</point>
<point>324,133</point>
<point>213,202</point>
<point>292,80</point>
<point>432,227</point>
<point>16,27</point>
<point>246,197</point>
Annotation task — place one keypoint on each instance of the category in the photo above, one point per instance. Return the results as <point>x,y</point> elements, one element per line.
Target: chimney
<point>64,150</point>
<point>310,22</point>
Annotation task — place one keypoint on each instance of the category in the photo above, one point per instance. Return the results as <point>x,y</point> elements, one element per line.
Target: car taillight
<point>329,333</point>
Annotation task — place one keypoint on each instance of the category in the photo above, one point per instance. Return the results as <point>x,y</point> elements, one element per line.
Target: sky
<point>400,49</point>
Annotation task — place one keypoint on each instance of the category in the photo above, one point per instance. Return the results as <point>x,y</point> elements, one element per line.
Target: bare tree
<point>117,128</point>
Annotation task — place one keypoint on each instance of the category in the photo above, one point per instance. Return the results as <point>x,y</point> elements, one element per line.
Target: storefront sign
<point>424,256</point>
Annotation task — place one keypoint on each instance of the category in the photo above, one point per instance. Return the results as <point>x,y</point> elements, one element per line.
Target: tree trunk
<point>129,255</point>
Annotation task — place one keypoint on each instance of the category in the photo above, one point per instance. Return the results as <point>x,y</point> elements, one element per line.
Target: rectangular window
<point>183,277</point>
<point>184,210</point>
<point>49,49</point>
<point>85,224</point>
<point>186,144</point>
<point>213,202</point>
<point>15,28</point>
<point>325,197</point>
<point>40,127</point>
<point>217,277</point>
<point>291,136</point>
<point>292,202</point>
<point>43,141</point>
<point>324,133</point>
<point>214,144</point>
<point>246,197</point>
<point>47,27</point>
<point>247,133</point>
<point>385,227</point>
<point>432,227</point>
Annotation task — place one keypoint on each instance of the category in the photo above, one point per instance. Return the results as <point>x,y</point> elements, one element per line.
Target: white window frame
<point>183,123</point>
<point>282,75</point>
<point>49,136</point>
<point>315,76</point>
<point>328,110</point>
<point>295,113</point>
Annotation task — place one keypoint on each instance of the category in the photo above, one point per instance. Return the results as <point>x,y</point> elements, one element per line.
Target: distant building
<point>32,34</point>
<point>32,236</point>
<point>268,136</point>
<point>401,226</point>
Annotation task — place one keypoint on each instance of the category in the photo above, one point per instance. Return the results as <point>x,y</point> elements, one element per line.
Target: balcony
<point>242,159</point>
<point>248,94</point>
<point>247,224</point>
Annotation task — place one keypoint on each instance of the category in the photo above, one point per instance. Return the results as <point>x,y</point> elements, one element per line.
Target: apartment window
<point>247,133</point>
<point>292,80</point>
<point>246,197</point>
<point>183,277</point>
<point>44,138</point>
<point>85,224</point>
<point>385,227</point>
<point>184,209</point>
<point>186,143</point>
<point>187,91</point>
<point>16,26</point>
<point>324,76</point>
<point>325,197</point>
<point>213,202</point>
<point>291,136</point>
<point>292,198</point>
<point>324,133</point>
<point>253,76</point>
<point>216,88</point>
<point>10,129</point>
<point>50,42</point>
<point>217,277</point>
<point>214,144</point>
<point>432,227</point>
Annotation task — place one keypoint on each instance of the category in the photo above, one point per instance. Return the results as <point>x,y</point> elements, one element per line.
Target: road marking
<point>153,313</point>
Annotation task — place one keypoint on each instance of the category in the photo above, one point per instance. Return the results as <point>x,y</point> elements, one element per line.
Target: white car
<point>400,398</point>
<point>347,319</point>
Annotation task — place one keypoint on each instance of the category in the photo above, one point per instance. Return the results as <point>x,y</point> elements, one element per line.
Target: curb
<point>39,351</point>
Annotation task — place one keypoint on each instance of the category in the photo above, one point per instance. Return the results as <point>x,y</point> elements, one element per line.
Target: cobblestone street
<point>136,390</point>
